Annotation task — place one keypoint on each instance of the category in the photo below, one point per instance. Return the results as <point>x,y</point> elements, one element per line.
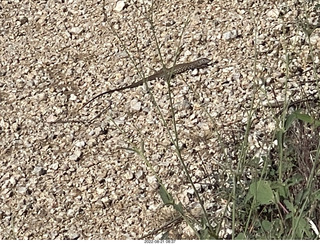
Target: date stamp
<point>160,241</point>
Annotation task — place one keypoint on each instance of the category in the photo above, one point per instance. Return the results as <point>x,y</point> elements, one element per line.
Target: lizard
<point>164,73</point>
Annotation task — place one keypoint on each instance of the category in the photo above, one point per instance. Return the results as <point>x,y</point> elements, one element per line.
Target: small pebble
<point>120,6</point>
<point>39,171</point>
<point>76,155</point>
<point>230,35</point>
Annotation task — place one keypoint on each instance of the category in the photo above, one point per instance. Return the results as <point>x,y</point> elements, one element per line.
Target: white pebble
<point>73,97</point>
<point>135,105</point>
<point>230,35</point>
<point>120,6</point>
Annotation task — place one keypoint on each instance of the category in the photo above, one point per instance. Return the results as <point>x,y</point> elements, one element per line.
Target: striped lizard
<point>164,73</point>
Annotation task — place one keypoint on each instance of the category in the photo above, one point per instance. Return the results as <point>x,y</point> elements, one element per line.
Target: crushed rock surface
<point>78,181</point>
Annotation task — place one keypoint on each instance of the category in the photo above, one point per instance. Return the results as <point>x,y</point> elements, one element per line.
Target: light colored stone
<point>76,30</point>
<point>54,166</point>
<point>39,171</point>
<point>135,105</point>
<point>51,118</point>
<point>129,175</point>
<point>22,190</point>
<point>230,35</point>
<point>80,144</point>
<point>73,97</point>
<point>273,13</point>
<point>120,6</point>
<point>76,155</point>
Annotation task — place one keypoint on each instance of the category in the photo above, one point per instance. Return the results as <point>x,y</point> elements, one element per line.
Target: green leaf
<point>302,227</point>
<point>241,236</point>
<point>290,206</point>
<point>317,123</point>
<point>307,118</point>
<point>165,196</point>
<point>279,136</point>
<point>301,196</point>
<point>289,121</point>
<point>262,191</point>
<point>280,188</point>
<point>304,117</point>
<point>266,225</point>
<point>178,207</point>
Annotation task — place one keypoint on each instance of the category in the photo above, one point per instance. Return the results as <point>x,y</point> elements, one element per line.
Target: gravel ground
<point>76,181</point>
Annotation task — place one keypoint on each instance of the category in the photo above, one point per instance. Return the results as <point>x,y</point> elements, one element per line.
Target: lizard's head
<point>203,61</point>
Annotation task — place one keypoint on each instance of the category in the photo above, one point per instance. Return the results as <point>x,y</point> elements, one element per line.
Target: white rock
<point>92,142</point>
<point>190,191</point>
<point>120,120</point>
<point>273,13</point>
<point>203,126</point>
<point>194,72</point>
<point>314,39</point>
<point>101,191</point>
<point>230,35</point>
<point>123,54</point>
<point>22,190</point>
<point>152,179</point>
<point>38,171</point>
<point>42,96</point>
<point>74,235</point>
<point>139,174</point>
<point>51,118</point>
<point>54,166</point>
<point>13,181</point>
<point>129,175</point>
<point>135,105</point>
<point>76,30</point>
<point>120,6</point>
<point>30,83</point>
<point>105,199</point>
<point>70,212</point>
<point>95,132</point>
<point>187,53</point>
<point>80,143</point>
<point>76,155</point>
<point>73,97</point>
